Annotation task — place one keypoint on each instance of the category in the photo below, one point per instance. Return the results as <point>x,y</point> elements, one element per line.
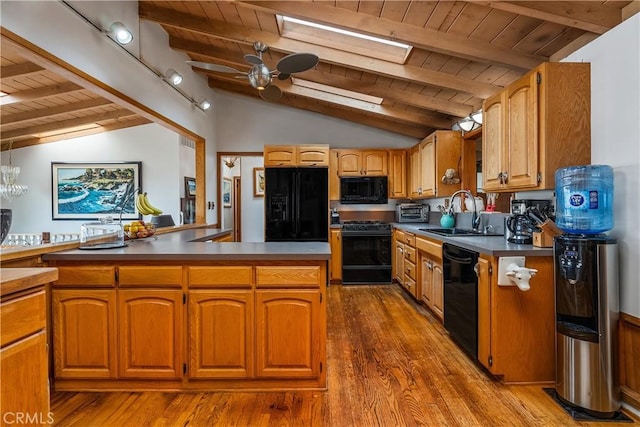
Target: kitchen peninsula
<point>182,313</point>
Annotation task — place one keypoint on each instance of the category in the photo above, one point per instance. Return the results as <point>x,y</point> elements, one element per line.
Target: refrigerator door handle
<point>296,204</point>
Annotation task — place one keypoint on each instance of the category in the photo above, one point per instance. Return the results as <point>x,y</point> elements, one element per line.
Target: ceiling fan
<point>260,76</point>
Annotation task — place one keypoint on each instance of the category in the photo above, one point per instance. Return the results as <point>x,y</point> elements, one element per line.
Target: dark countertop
<point>192,245</point>
<point>490,245</point>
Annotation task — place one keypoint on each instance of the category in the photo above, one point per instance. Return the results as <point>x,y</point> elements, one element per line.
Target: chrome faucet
<point>475,218</point>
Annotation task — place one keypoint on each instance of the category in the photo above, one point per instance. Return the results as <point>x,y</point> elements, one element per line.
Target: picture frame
<point>226,193</point>
<point>189,187</point>
<point>258,182</point>
<point>93,191</point>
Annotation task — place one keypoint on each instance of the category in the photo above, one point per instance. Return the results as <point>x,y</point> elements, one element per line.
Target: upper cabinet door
<point>374,162</point>
<point>521,161</point>
<point>397,174</point>
<point>310,155</point>
<point>349,162</point>
<point>280,155</point>
<point>428,166</point>
<point>492,142</point>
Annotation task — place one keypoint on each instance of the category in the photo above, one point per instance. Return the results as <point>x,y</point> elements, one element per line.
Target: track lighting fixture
<point>469,123</point>
<point>204,104</point>
<point>120,33</point>
<point>173,77</point>
<point>477,117</point>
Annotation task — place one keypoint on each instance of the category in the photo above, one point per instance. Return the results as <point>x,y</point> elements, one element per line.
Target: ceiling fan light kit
<point>260,76</point>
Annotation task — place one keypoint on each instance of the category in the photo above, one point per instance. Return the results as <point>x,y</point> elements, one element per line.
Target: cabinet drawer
<point>410,239</point>
<point>157,276</point>
<point>22,317</point>
<point>86,276</point>
<point>288,276</point>
<point>432,248</point>
<point>410,270</point>
<point>223,276</point>
<point>410,254</point>
<point>399,236</point>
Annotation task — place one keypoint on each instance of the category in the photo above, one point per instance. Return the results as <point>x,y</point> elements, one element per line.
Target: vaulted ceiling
<point>460,53</point>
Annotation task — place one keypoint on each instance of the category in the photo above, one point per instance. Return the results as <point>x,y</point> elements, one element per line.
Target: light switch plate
<point>503,263</point>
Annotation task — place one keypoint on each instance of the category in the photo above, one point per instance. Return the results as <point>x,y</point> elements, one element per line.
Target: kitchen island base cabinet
<point>199,326</point>
<point>516,329</point>
<point>150,332</point>
<point>221,327</point>
<point>288,342</point>
<point>84,333</point>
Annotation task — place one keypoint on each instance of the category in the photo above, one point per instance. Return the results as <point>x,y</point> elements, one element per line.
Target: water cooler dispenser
<point>586,278</point>
<point>587,296</point>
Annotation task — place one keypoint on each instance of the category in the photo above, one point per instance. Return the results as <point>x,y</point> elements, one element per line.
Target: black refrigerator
<point>296,204</point>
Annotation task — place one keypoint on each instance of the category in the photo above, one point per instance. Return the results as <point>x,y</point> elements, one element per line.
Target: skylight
<point>337,91</point>
<point>345,32</point>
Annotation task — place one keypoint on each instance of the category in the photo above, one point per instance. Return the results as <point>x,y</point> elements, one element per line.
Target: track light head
<point>173,76</point>
<point>204,104</point>
<point>120,33</point>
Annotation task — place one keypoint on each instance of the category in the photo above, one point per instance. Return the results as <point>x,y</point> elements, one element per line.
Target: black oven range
<point>366,252</point>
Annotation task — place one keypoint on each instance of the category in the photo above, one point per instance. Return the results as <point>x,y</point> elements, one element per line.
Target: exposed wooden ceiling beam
<point>120,124</point>
<point>388,113</point>
<point>53,111</point>
<point>406,97</point>
<point>423,38</point>
<point>40,93</point>
<point>246,35</point>
<point>70,123</point>
<point>586,17</point>
<point>14,70</point>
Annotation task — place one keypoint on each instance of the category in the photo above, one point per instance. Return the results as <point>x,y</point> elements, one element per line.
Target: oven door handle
<point>457,259</point>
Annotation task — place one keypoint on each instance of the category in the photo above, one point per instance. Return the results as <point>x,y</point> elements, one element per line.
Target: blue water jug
<point>584,199</point>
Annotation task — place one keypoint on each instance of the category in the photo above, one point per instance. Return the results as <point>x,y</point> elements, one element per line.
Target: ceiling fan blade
<point>283,76</point>
<point>253,59</point>
<point>214,67</point>
<point>271,93</point>
<point>297,63</point>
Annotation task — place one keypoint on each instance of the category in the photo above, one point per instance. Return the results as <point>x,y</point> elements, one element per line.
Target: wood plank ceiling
<point>461,52</point>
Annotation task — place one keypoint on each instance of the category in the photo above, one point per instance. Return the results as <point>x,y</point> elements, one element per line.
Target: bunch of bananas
<point>144,207</point>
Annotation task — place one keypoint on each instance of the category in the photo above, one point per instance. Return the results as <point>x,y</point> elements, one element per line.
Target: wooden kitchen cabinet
<point>288,341</point>
<point>150,333</point>
<point>539,123</point>
<point>221,327</point>
<point>398,257</point>
<point>409,270</point>
<point>296,155</point>
<point>398,184</point>
<point>362,162</point>
<point>431,275</point>
<point>415,189</point>
<point>335,270</point>
<point>84,333</point>
<point>439,151</point>
<point>334,177</point>
<point>516,329</point>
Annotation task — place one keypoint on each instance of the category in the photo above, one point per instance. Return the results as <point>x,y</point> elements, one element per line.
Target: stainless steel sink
<point>460,232</point>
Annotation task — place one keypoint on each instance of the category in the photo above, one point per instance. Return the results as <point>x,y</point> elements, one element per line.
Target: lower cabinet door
<point>150,333</point>
<point>438,289</point>
<point>221,330</point>
<point>24,390</point>
<point>288,333</point>
<point>84,333</point>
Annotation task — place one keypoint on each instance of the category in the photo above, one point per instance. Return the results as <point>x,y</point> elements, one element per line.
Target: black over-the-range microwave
<point>363,189</point>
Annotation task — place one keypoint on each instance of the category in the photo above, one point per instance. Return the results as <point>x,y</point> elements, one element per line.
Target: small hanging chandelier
<point>9,189</point>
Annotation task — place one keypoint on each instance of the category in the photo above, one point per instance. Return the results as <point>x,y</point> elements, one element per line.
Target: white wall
<point>156,147</point>
<point>247,124</point>
<point>615,140</point>
<point>70,38</point>
<point>252,207</point>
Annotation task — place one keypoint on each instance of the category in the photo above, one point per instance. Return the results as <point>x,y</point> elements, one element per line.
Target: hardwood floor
<point>390,364</point>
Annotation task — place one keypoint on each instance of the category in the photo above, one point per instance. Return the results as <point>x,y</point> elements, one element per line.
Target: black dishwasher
<point>461,297</point>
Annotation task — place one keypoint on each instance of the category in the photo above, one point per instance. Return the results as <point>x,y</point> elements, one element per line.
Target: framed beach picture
<point>91,191</point>
<point>258,182</point>
<point>189,187</point>
<point>226,192</point>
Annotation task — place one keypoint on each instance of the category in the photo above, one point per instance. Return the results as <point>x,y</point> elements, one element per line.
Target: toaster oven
<point>412,212</point>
